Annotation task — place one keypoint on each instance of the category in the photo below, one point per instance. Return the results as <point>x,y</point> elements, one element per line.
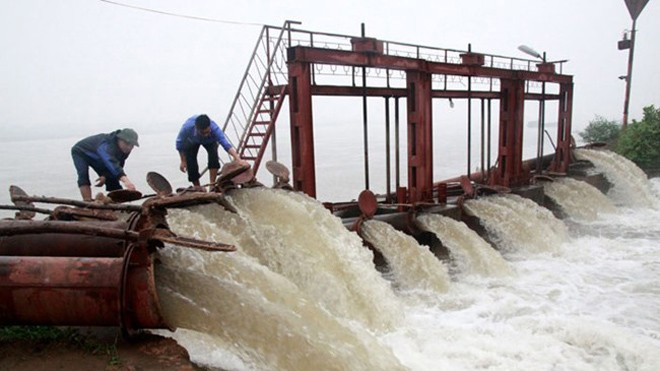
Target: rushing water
<point>570,195</point>
<point>630,185</point>
<point>412,266</point>
<point>518,224</point>
<point>302,293</point>
<point>470,253</point>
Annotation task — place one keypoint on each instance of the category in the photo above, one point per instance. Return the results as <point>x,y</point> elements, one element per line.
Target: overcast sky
<point>72,67</point>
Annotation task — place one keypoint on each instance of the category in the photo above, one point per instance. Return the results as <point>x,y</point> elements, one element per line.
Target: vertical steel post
<point>420,138</point>
<point>388,176</point>
<point>490,104</point>
<point>541,129</point>
<point>509,163</point>
<point>365,126</point>
<point>483,140</point>
<point>562,153</point>
<point>397,145</point>
<point>302,133</point>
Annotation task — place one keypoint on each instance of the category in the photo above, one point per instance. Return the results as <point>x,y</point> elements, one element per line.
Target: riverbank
<point>94,349</point>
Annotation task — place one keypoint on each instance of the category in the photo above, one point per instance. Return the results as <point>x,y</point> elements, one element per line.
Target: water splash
<point>578,199</point>
<point>313,249</point>
<point>518,224</point>
<point>631,186</point>
<point>253,313</point>
<point>471,253</point>
<point>413,266</point>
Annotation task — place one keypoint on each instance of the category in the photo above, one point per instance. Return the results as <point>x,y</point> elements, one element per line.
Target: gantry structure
<point>293,63</point>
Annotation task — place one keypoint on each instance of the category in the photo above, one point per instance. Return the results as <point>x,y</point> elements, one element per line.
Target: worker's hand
<point>127,183</point>
<point>100,182</point>
<point>183,167</point>
<point>242,162</point>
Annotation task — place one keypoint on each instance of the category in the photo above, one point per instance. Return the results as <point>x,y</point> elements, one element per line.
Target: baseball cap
<point>130,136</point>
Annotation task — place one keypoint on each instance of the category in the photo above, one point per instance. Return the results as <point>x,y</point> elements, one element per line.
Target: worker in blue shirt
<point>200,130</point>
<point>106,154</point>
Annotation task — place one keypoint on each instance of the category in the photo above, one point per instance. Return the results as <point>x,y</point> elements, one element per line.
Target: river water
<point>301,292</point>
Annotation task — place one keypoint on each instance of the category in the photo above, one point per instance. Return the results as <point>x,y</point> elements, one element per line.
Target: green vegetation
<point>640,142</point>
<point>601,130</point>
<point>45,335</point>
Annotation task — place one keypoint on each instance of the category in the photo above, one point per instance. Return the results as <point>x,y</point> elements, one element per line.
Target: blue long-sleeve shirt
<point>188,135</point>
<point>104,148</point>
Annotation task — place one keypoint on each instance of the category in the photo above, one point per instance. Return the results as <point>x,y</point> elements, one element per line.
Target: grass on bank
<point>47,335</point>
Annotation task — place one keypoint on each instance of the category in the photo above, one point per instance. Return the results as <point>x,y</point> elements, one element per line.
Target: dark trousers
<point>83,163</point>
<point>190,153</point>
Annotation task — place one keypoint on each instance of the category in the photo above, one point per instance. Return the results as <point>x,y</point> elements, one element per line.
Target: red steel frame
<point>509,170</point>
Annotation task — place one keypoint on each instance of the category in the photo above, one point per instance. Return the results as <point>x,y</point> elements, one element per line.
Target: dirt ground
<point>106,351</point>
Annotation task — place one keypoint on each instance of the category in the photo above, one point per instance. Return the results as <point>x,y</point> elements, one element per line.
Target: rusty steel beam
<point>562,153</point>
<point>420,137</point>
<point>357,91</point>
<point>301,54</point>
<point>302,133</point>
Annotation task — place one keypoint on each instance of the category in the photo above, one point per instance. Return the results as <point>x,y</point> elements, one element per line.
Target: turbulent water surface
<point>535,293</point>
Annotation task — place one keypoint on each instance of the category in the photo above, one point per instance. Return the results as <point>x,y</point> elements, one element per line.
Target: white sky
<point>76,67</point>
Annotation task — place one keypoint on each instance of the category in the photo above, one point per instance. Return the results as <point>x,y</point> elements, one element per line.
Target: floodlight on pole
<point>541,129</point>
<point>527,50</point>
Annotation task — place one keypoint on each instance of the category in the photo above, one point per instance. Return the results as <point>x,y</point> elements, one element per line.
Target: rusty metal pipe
<point>44,290</point>
<point>78,274</point>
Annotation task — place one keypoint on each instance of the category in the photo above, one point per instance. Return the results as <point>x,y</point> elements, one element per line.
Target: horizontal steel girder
<point>348,58</point>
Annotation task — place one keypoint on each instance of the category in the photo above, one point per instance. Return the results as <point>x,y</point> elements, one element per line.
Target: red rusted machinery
<point>302,64</point>
<point>84,270</point>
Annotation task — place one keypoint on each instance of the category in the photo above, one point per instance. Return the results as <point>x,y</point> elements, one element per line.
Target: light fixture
<point>527,50</point>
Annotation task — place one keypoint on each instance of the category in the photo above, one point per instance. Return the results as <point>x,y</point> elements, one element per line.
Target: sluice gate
<point>88,266</point>
<point>294,63</point>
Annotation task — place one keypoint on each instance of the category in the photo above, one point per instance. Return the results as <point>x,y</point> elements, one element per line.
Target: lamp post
<point>539,140</point>
<point>635,7</point>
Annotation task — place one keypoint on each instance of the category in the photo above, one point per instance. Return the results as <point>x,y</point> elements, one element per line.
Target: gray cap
<point>129,136</point>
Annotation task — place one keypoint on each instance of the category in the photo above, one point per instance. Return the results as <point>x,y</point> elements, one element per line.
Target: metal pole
<point>469,123</point>
<point>365,129</point>
<point>541,128</point>
<point>483,140</point>
<point>626,100</point>
<point>387,148</point>
<point>397,158</point>
<point>490,102</point>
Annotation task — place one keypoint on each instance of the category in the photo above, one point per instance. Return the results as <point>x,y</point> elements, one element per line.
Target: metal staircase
<point>252,115</point>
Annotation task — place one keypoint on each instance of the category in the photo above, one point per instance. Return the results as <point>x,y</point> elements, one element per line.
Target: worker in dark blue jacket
<point>106,154</point>
<point>200,130</point>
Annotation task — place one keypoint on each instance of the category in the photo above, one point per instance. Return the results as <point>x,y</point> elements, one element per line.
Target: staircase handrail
<point>260,90</point>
